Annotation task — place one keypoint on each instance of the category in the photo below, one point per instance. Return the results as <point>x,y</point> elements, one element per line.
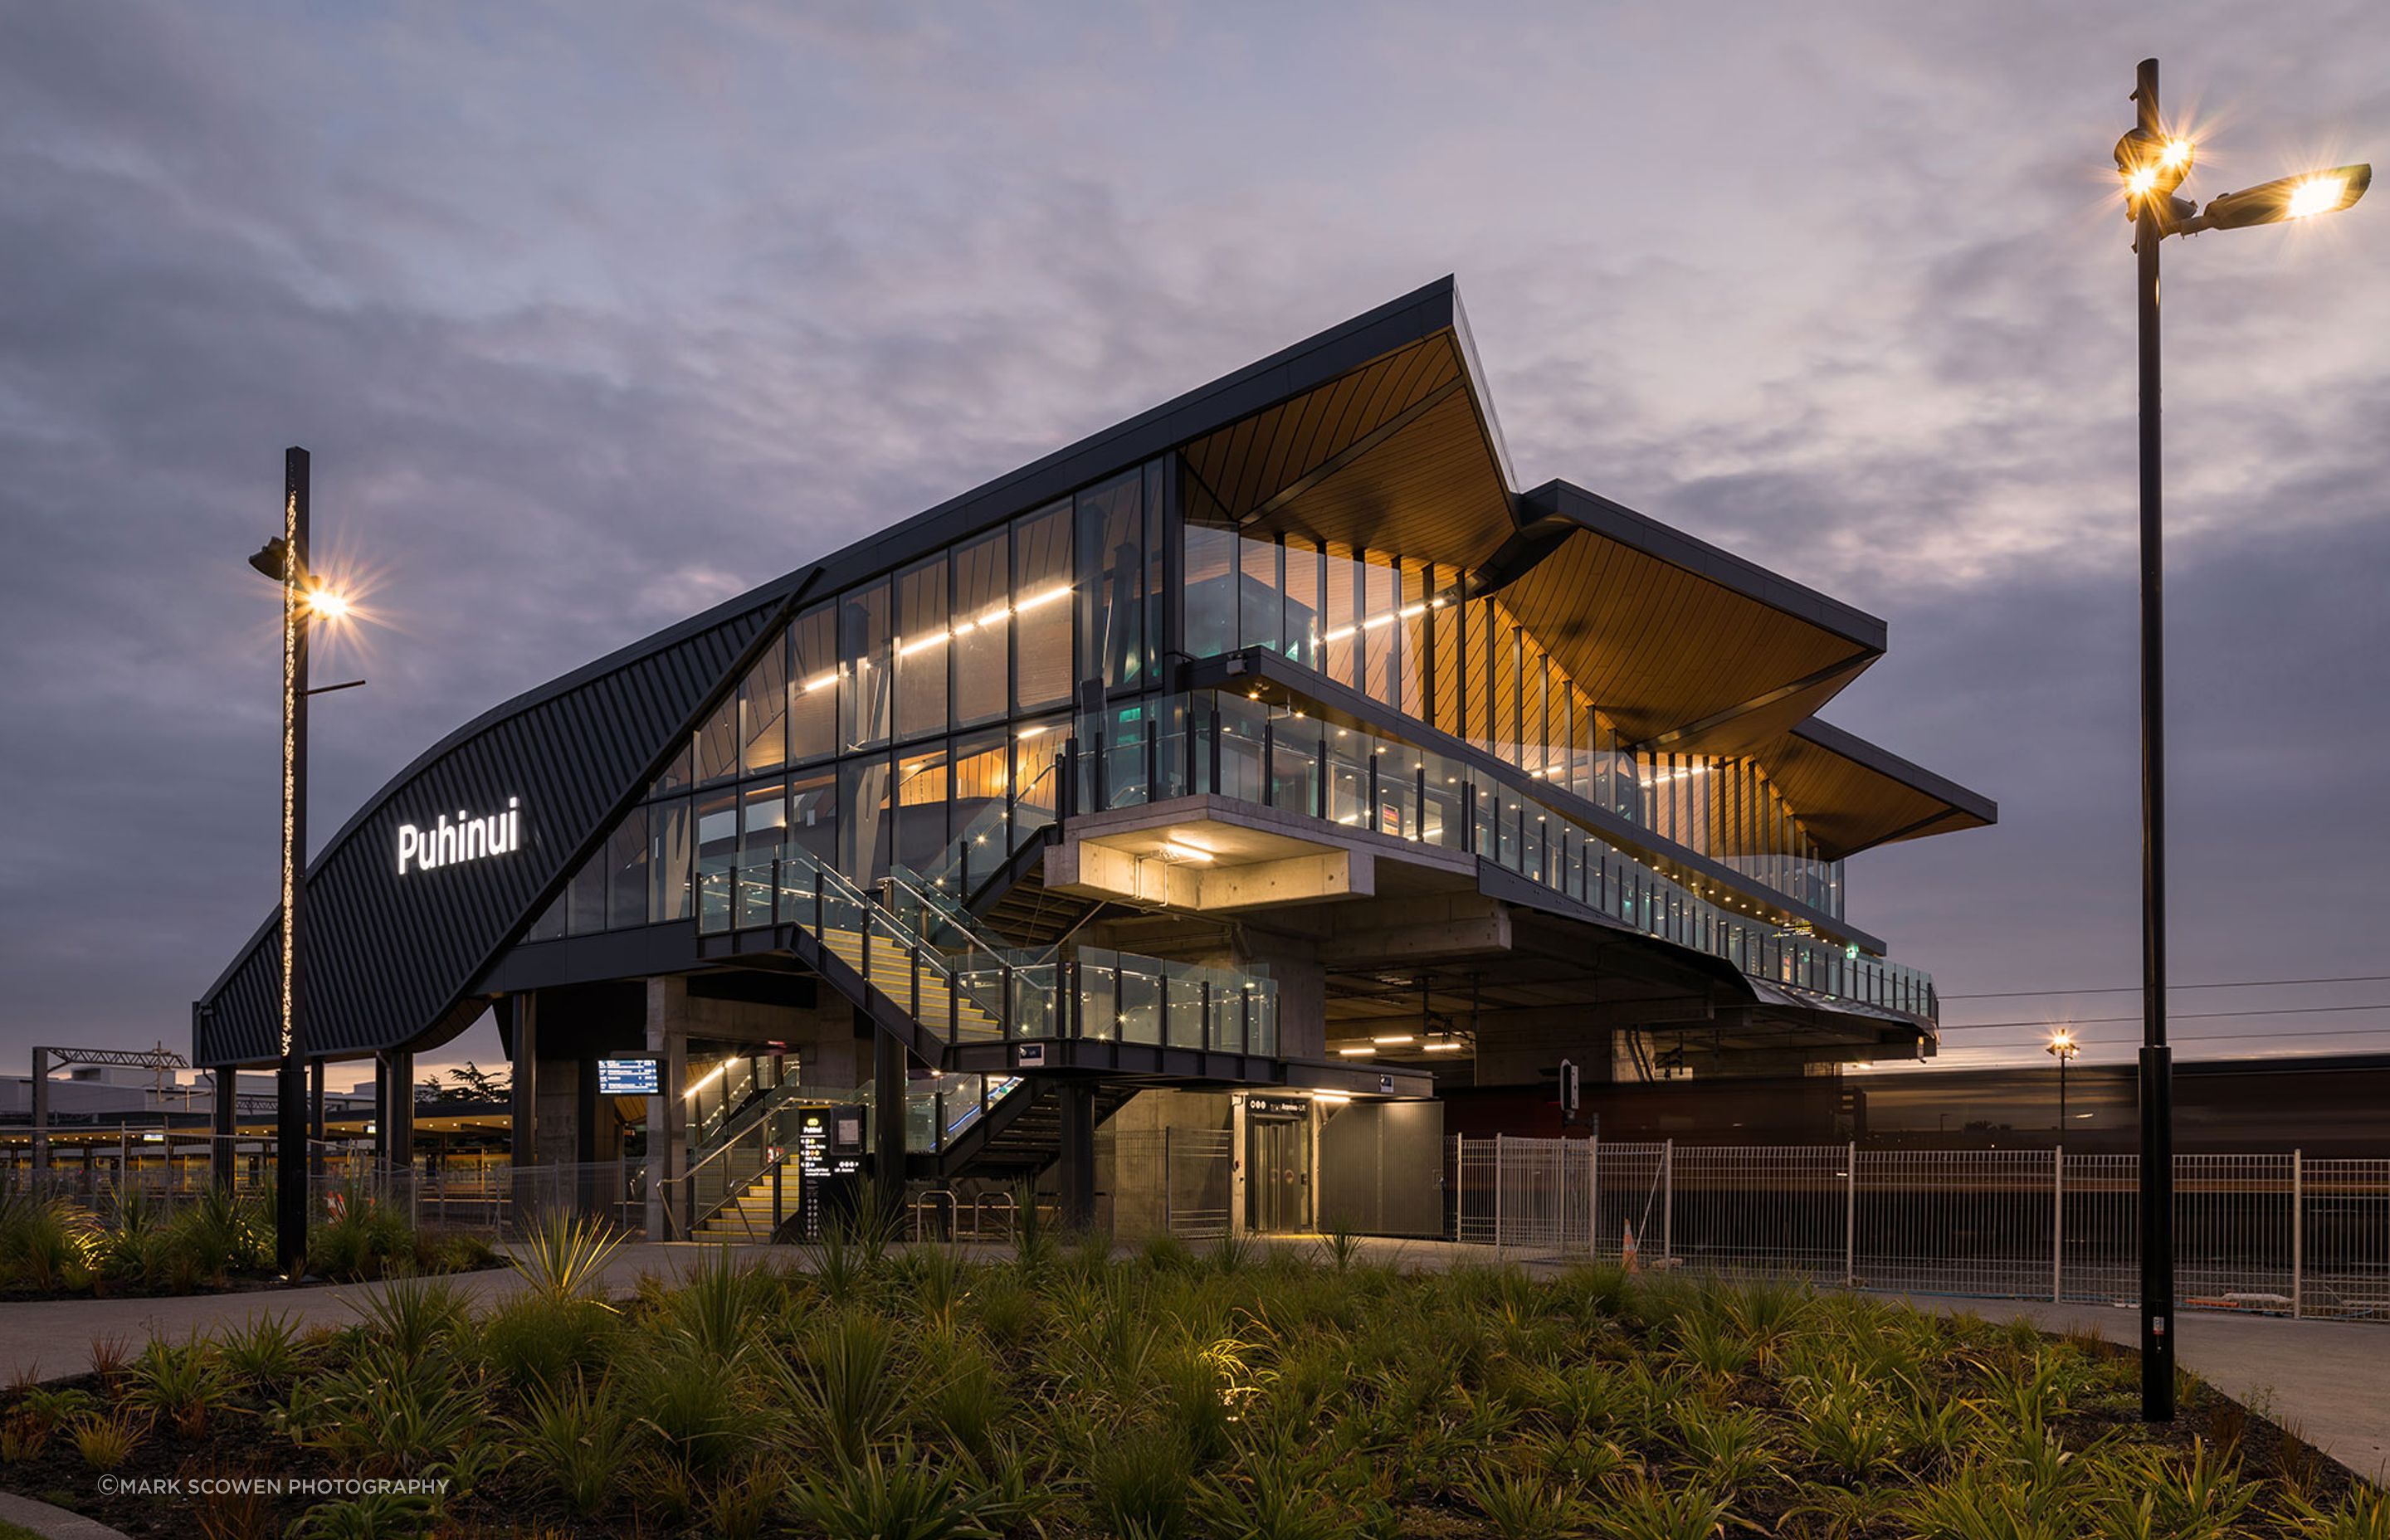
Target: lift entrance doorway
<point>1277,1164</point>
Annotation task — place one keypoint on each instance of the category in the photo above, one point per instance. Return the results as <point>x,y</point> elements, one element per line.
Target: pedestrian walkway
<point>52,1339</point>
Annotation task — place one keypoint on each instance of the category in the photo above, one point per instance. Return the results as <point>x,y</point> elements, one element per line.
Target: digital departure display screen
<point>630,1077</point>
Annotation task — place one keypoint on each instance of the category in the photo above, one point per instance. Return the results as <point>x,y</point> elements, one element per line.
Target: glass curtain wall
<point>911,712</point>
<point>1398,630</point>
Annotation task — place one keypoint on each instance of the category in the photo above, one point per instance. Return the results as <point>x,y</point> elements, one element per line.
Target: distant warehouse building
<point>1163,818</point>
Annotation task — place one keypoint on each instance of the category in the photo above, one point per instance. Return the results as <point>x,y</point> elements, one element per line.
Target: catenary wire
<point>2136,989</point>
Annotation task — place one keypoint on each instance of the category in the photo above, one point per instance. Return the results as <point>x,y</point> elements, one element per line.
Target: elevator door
<point>1278,1176</point>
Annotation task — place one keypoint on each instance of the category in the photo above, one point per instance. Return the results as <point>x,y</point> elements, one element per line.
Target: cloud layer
<point>592,318</point>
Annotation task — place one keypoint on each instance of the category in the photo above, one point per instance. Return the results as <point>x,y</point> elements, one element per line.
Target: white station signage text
<point>466,838</point>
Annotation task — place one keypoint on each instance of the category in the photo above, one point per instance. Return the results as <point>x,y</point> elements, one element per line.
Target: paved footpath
<point>2328,1381</point>
<point>52,1339</point>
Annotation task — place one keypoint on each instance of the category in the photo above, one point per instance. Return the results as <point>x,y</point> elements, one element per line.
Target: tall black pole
<point>2157,1059</point>
<point>290,1207</point>
<point>2061,1098</point>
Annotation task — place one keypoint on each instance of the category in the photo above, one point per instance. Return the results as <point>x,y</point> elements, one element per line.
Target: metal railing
<point>2278,1234</point>
<point>1212,742</point>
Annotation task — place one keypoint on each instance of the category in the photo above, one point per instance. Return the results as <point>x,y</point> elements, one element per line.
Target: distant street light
<point>2153,162</point>
<point>304,598</point>
<point>2063,1046</point>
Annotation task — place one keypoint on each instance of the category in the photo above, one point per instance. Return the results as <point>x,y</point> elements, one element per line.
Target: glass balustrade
<point>1232,746</point>
<point>926,955</point>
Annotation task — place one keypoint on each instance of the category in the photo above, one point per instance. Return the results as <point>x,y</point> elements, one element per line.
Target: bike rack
<point>923,1202</point>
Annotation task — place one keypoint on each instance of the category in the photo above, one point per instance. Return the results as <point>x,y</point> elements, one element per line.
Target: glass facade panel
<point>584,909</point>
<point>1381,635</point>
<point>923,650</point>
<point>1260,604</point>
<point>717,847</point>
<point>920,836</point>
<point>717,743</point>
<point>1213,602</point>
<point>813,815</point>
<point>1035,748</point>
<point>863,834</point>
<point>983,627</point>
<point>866,636</point>
<point>1305,600</point>
<point>676,773</point>
<point>626,871</point>
<point>1342,617</point>
<point>668,861</point>
<point>764,711</point>
<point>812,684</point>
<point>1041,618</point>
<point>1112,579</point>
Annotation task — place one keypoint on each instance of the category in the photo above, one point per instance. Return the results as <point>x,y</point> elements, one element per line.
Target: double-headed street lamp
<point>305,598</point>
<point>2063,1046</point>
<point>2153,162</point>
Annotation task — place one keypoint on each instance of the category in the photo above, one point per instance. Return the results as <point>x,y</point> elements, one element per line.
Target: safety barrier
<point>2266,1233</point>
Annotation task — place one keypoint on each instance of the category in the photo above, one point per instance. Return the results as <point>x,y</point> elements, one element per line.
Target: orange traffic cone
<point>1626,1252</point>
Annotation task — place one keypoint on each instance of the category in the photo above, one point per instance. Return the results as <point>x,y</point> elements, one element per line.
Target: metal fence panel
<point>2263,1233</point>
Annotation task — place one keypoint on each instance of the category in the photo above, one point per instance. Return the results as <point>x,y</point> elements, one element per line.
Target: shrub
<point>574,1439</point>
<point>1138,1482</point>
<point>182,1384</point>
<point>264,1352</point>
<point>45,1245</point>
<point>905,1494</point>
<point>106,1441</point>
<point>565,1256</point>
<point>535,1340</point>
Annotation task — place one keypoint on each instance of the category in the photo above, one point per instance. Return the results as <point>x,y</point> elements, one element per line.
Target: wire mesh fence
<point>2272,1234</point>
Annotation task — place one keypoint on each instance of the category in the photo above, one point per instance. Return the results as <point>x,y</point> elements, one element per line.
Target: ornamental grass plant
<point>1231,1390</point>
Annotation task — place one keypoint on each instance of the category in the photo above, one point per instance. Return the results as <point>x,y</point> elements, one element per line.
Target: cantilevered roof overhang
<point>1691,649</point>
<point>1854,796</point>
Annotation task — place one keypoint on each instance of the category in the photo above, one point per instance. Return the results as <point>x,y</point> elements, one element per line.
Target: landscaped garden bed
<point>891,1390</point>
<point>212,1242</point>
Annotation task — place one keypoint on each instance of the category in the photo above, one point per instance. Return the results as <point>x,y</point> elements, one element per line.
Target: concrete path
<point>52,1339</point>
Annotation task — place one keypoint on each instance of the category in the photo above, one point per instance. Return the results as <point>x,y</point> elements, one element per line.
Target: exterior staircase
<point>747,1215</point>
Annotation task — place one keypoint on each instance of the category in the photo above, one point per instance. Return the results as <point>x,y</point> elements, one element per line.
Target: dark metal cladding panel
<point>389,956</point>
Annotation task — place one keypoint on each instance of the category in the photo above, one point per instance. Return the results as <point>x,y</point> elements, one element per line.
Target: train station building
<point>1165,821</point>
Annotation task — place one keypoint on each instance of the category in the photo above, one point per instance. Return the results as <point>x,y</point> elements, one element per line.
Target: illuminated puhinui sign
<point>466,838</point>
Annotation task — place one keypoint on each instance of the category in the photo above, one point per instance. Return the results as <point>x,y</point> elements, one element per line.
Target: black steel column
<point>2157,1059</point>
<point>290,1205</point>
<point>1077,1169</point>
<point>890,1080</point>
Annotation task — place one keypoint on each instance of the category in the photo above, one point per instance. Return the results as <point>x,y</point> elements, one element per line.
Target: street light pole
<point>2157,1059</point>
<point>290,1205</point>
<point>2153,164</point>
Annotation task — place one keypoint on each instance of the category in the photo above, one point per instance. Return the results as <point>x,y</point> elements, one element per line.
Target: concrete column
<point>523,1014</point>
<point>394,1111</point>
<point>1077,1169</point>
<point>668,1120</point>
<point>889,1083</point>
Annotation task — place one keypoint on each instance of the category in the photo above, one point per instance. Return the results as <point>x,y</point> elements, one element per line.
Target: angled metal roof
<point>1853,796</point>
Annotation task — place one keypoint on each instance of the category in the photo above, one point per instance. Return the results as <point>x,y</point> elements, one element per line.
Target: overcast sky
<point>594,314</point>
